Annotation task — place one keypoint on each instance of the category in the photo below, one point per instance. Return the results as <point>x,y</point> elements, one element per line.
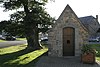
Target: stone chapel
<point>67,35</point>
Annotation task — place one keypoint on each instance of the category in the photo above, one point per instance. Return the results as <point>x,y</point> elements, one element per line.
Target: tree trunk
<point>31,30</point>
<point>32,39</point>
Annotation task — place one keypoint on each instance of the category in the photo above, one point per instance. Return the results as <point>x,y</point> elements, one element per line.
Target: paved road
<point>46,61</point>
<point>11,43</point>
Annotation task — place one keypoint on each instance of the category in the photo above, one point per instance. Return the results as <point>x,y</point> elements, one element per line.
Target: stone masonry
<point>67,19</point>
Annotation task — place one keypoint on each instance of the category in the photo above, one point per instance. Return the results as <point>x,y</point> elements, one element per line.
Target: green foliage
<point>2,25</point>
<point>97,48</point>
<point>87,49</point>
<point>29,22</point>
<point>16,25</point>
<point>98,58</point>
<point>11,5</point>
<point>37,16</point>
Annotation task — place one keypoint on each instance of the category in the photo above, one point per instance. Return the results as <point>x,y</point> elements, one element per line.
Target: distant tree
<point>2,25</point>
<point>30,21</point>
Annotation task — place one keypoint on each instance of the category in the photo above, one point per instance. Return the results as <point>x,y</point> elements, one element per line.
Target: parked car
<point>93,40</point>
<point>1,37</point>
<point>98,38</point>
<point>44,40</point>
<point>10,38</point>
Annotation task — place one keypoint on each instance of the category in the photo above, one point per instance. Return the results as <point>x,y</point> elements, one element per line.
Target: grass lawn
<point>2,40</point>
<point>97,47</point>
<point>21,39</point>
<point>17,56</point>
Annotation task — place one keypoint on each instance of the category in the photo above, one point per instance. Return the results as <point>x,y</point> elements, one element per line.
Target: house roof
<point>87,19</point>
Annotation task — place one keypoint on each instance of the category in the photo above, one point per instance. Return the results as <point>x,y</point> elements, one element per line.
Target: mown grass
<point>2,40</point>
<point>97,48</point>
<point>20,38</point>
<point>18,56</point>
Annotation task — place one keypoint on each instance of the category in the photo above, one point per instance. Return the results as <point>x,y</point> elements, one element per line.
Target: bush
<point>88,49</point>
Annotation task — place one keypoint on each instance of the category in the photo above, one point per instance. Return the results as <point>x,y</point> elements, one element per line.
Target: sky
<point>80,7</point>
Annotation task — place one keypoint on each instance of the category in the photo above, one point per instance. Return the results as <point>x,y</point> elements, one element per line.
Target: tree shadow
<point>12,56</point>
<point>33,63</point>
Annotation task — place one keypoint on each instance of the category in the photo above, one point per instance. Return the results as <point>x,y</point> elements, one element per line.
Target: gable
<point>68,15</point>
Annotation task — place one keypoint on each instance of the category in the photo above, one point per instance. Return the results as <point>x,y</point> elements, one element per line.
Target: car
<point>98,38</point>
<point>10,38</point>
<point>2,38</point>
<point>93,40</point>
<point>44,40</point>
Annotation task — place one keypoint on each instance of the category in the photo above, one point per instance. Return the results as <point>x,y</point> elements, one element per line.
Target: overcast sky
<point>80,7</point>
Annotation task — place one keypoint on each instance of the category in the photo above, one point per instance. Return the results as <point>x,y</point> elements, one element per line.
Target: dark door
<point>68,41</point>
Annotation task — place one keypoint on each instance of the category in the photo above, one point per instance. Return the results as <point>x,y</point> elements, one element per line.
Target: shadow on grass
<point>12,56</point>
<point>32,63</point>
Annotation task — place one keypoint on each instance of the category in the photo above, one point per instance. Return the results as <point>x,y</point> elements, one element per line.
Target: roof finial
<point>97,17</point>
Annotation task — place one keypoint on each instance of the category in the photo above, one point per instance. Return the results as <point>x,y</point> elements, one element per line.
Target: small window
<point>68,41</point>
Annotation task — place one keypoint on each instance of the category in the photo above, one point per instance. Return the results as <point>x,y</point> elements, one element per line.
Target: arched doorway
<point>68,41</point>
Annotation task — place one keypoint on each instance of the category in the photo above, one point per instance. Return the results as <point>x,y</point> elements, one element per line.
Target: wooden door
<point>68,41</point>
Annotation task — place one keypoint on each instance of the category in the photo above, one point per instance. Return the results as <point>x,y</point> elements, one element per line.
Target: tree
<point>2,25</point>
<point>34,15</point>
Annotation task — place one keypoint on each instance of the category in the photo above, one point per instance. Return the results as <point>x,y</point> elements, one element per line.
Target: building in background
<point>92,25</point>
